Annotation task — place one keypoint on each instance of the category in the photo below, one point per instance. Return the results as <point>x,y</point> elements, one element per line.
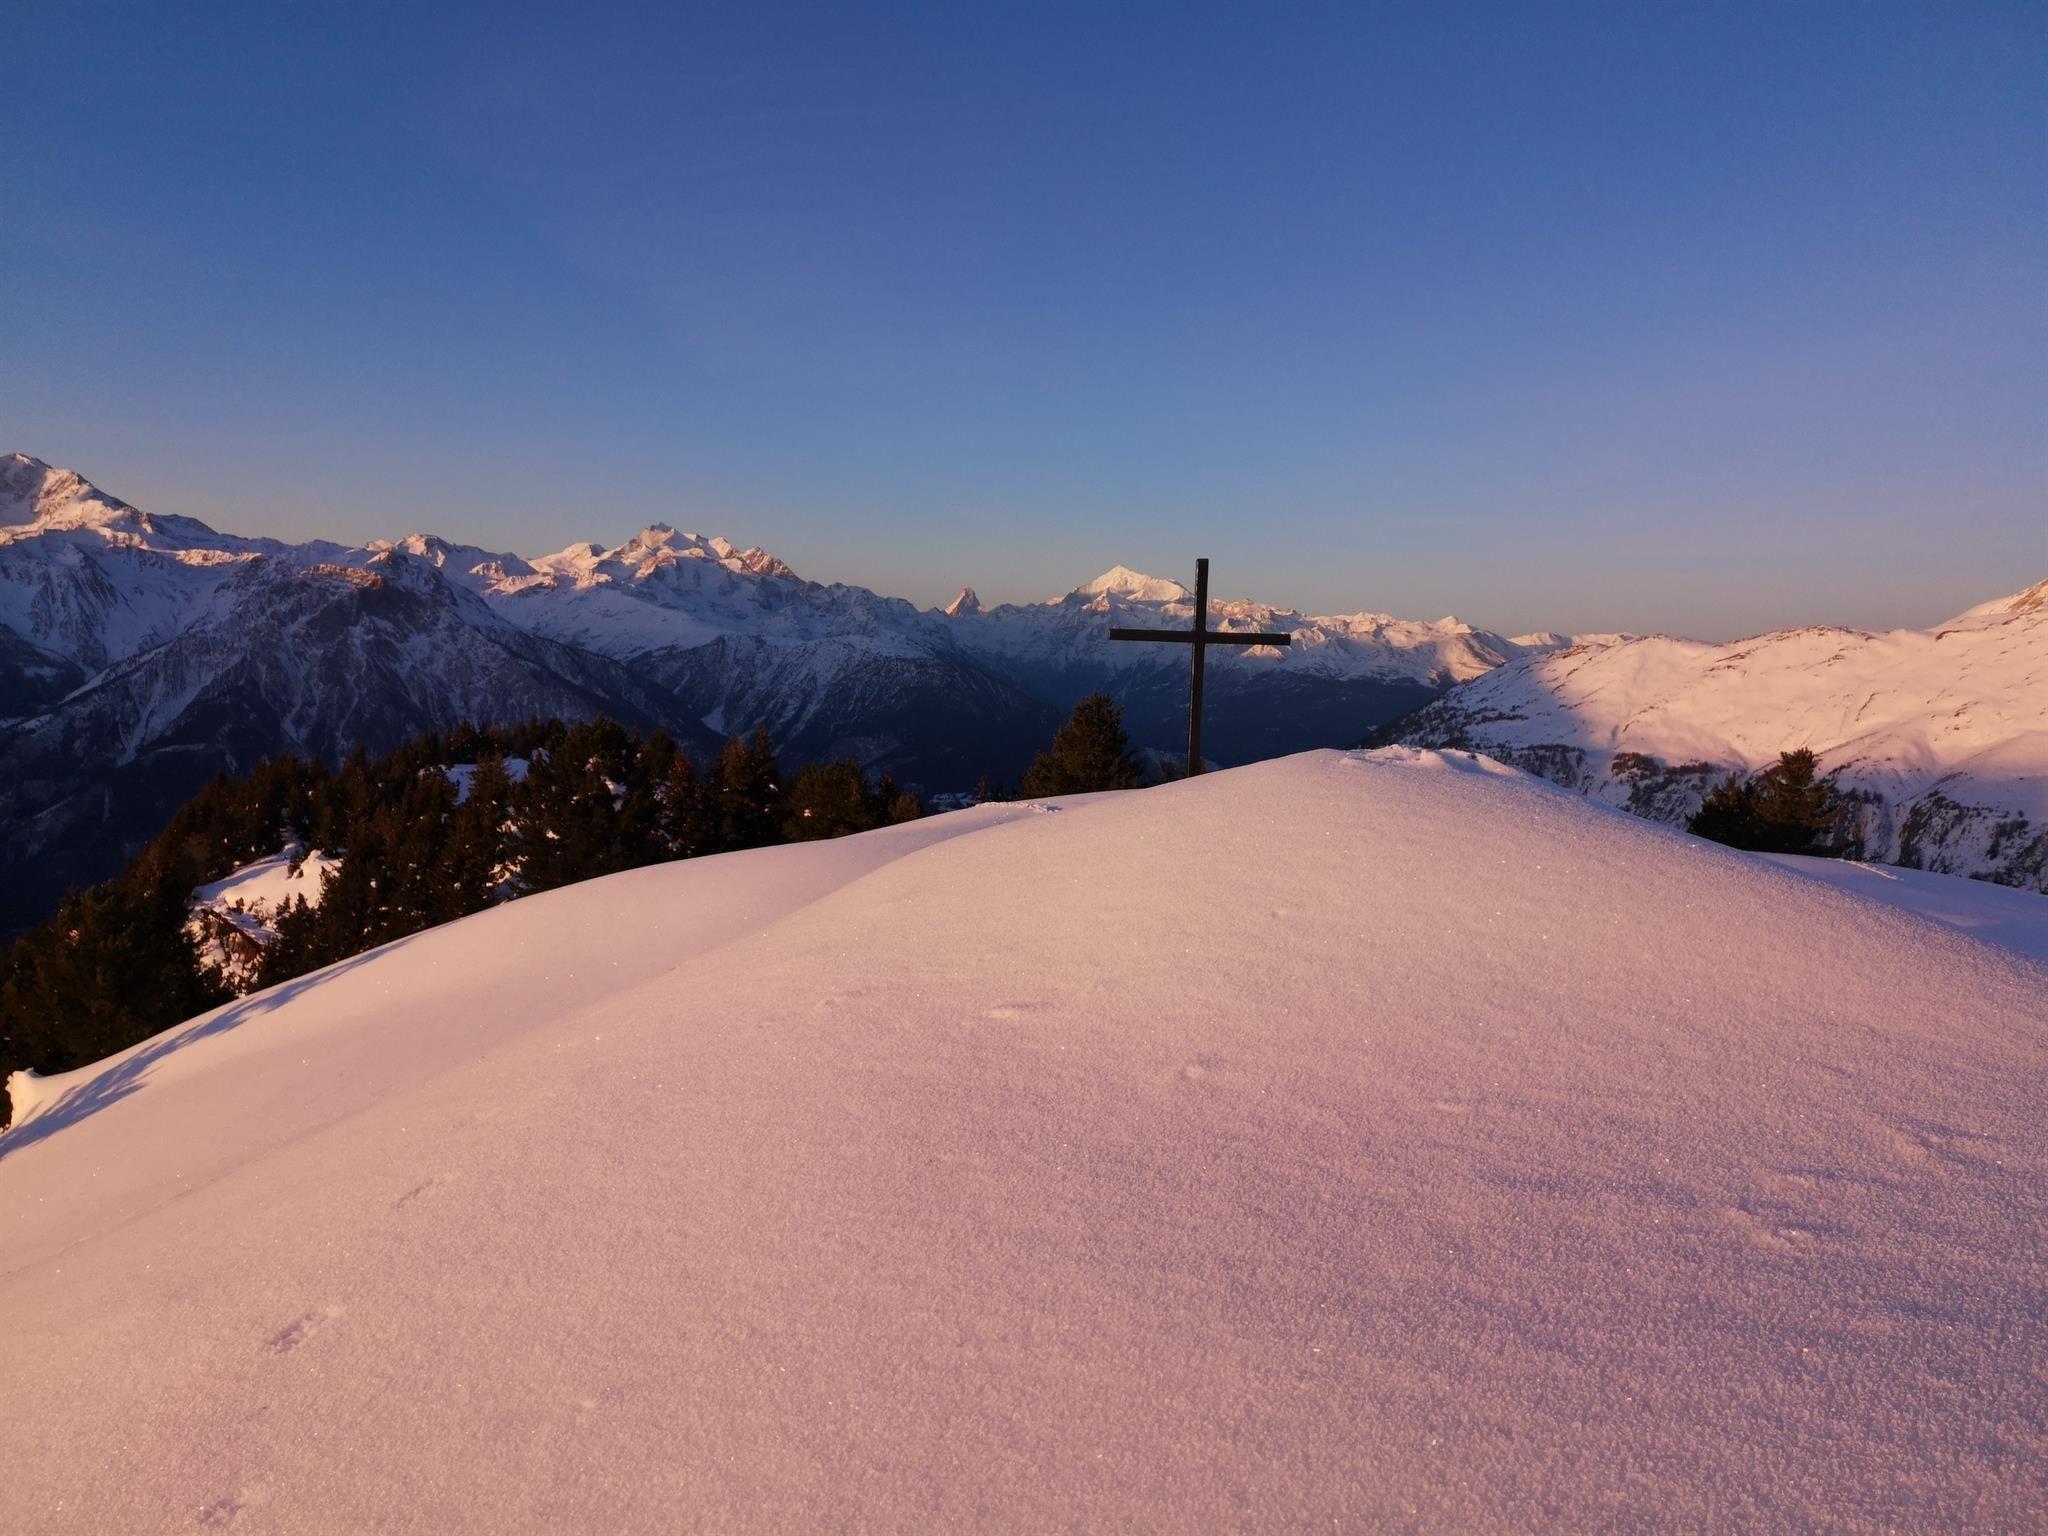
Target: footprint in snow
<point>224,1511</point>
<point>1789,1183</point>
<point>300,1329</point>
<point>1765,1233</point>
<point>1944,1144</point>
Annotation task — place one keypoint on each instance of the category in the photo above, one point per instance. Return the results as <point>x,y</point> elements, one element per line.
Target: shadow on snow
<point>127,1076</point>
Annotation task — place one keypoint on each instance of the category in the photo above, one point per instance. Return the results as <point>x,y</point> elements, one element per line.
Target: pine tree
<point>350,916</point>
<point>1788,808</point>
<point>296,948</point>
<point>1797,807</point>
<point>690,823</point>
<point>749,793</point>
<point>476,851</point>
<point>1727,816</point>
<point>639,836</point>
<point>1090,752</point>
<point>416,835</point>
<point>552,832</point>
<point>827,800</point>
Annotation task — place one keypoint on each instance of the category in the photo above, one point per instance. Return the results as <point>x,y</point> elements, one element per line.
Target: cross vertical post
<point>1199,639</point>
<point>1201,644</point>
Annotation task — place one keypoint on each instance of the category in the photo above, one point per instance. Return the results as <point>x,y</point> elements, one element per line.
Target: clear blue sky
<point>1697,318</point>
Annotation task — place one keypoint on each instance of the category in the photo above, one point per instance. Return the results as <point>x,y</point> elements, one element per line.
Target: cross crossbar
<point>1198,640</point>
<point>1209,636</point>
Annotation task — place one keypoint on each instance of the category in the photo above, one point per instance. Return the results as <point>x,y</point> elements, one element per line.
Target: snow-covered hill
<point>1945,731</point>
<point>141,655</point>
<point>990,1173</point>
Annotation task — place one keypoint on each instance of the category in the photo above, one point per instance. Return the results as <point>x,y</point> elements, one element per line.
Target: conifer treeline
<point>117,962</point>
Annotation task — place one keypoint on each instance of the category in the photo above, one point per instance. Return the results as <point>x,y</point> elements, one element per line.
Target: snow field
<point>1361,1142</point>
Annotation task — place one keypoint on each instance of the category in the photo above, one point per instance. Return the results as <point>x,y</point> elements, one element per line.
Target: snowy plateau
<point>1435,1150</point>
<point>140,655</point>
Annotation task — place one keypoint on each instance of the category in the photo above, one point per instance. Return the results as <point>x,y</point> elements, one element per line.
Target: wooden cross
<point>1201,637</point>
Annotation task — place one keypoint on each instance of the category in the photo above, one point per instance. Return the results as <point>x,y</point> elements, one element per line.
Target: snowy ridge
<point>1943,731</point>
<point>871,1185</point>
<point>2033,600</point>
<point>664,589</point>
<point>1068,632</point>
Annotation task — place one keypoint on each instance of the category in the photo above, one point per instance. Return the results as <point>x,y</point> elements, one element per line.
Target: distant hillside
<point>1941,734</point>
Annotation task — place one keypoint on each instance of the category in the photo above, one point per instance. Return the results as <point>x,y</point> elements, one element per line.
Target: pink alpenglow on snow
<point>1382,1142</point>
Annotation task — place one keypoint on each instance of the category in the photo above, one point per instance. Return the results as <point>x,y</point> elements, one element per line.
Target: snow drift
<point>1363,1142</point>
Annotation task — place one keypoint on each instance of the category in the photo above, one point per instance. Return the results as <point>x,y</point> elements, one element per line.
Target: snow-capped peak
<point>652,550</point>
<point>39,500</point>
<point>479,567</point>
<point>572,563</point>
<point>35,496</point>
<point>1122,581</point>
<point>966,602</point>
<point>421,546</point>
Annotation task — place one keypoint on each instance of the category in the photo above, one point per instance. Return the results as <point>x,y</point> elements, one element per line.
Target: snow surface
<point>266,886</point>
<point>1384,1142</point>
<point>1997,914</point>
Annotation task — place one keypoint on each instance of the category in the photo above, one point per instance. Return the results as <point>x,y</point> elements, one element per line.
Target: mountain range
<point>142,654</point>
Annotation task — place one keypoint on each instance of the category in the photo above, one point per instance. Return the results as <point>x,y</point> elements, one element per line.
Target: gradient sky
<point>1705,319</point>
